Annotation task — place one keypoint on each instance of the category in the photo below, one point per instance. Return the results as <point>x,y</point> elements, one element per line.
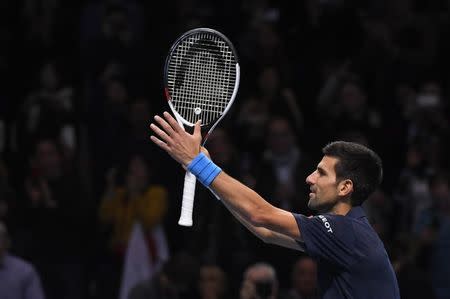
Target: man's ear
<point>345,188</point>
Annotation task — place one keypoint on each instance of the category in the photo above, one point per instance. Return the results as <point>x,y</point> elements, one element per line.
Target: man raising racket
<point>352,260</point>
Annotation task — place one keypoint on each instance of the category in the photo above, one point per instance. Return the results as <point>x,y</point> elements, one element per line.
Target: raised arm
<point>266,235</point>
<point>243,201</point>
<point>254,209</point>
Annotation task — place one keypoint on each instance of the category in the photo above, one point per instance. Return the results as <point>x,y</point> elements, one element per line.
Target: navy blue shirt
<point>352,260</point>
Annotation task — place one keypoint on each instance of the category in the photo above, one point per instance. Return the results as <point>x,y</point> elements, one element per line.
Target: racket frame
<point>190,180</point>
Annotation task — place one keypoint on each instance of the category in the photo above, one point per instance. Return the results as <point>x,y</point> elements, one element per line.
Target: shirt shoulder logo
<point>326,223</point>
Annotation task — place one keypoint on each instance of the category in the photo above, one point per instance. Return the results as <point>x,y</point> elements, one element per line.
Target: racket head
<point>201,77</point>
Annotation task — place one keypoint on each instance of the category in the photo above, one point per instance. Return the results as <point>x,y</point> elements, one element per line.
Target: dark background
<point>375,72</point>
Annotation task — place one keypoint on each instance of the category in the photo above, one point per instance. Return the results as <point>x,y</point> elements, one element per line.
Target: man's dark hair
<point>357,163</point>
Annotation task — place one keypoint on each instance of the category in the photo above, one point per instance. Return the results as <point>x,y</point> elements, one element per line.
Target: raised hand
<point>171,137</point>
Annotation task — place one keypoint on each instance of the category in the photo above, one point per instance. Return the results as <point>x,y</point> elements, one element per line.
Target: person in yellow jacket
<point>137,200</point>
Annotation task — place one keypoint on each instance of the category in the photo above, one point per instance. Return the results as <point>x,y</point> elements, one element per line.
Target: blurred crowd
<point>83,79</point>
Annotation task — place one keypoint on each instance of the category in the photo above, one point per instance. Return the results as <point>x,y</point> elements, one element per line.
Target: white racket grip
<point>187,204</point>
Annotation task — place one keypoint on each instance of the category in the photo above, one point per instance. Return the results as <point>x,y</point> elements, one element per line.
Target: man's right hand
<point>171,137</point>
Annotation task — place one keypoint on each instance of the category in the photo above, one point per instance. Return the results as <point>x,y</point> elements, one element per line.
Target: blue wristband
<point>204,169</point>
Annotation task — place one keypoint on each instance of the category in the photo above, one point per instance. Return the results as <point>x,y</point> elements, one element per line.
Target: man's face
<point>323,185</point>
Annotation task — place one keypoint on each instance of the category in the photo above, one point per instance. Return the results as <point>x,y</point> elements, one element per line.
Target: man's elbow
<point>258,218</point>
<point>266,236</point>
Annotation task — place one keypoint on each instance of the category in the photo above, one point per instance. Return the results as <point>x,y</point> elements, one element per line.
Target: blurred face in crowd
<point>429,104</point>
<point>139,113</point>
<point>440,190</point>
<point>268,38</point>
<point>406,98</point>
<point>49,77</point>
<point>304,276</point>
<point>280,136</point>
<point>262,279</point>
<point>116,23</point>
<point>414,157</point>
<point>269,81</point>
<point>352,98</point>
<point>138,174</point>
<point>211,282</point>
<point>116,91</point>
<point>48,159</point>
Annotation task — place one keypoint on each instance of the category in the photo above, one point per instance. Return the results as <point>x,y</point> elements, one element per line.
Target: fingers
<point>159,143</point>
<point>163,135</point>
<point>172,138</point>
<point>173,123</point>
<point>197,128</point>
<point>168,129</point>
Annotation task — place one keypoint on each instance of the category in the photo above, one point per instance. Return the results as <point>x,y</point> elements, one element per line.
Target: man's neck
<point>341,208</point>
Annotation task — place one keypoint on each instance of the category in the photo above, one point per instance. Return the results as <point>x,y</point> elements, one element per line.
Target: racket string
<point>208,80</point>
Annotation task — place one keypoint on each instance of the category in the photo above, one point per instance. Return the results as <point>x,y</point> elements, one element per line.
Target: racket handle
<point>187,204</point>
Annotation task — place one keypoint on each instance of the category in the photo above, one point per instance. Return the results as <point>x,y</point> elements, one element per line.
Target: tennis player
<point>352,260</point>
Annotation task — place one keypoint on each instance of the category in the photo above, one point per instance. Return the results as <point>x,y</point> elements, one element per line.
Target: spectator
<point>283,167</point>
<point>118,39</point>
<point>139,114</point>
<point>259,282</point>
<point>373,72</point>
<point>108,124</point>
<point>429,120</point>
<point>259,40</point>
<point>55,221</point>
<point>212,283</point>
<point>413,280</point>
<point>272,97</point>
<point>304,279</point>
<point>216,237</point>
<point>433,230</point>
<point>379,208</point>
<point>280,179</point>
<point>136,198</point>
<point>412,193</point>
<point>176,280</point>
<point>347,107</point>
<point>49,109</point>
<point>18,278</point>
<point>92,13</point>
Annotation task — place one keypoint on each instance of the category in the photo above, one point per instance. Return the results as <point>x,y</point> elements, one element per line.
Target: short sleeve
<point>328,237</point>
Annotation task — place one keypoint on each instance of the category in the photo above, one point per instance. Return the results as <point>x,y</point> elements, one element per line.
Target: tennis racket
<point>201,79</point>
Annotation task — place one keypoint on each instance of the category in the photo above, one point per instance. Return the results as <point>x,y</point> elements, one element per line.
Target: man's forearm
<point>266,235</point>
<point>241,199</point>
<point>253,208</point>
<point>260,232</point>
